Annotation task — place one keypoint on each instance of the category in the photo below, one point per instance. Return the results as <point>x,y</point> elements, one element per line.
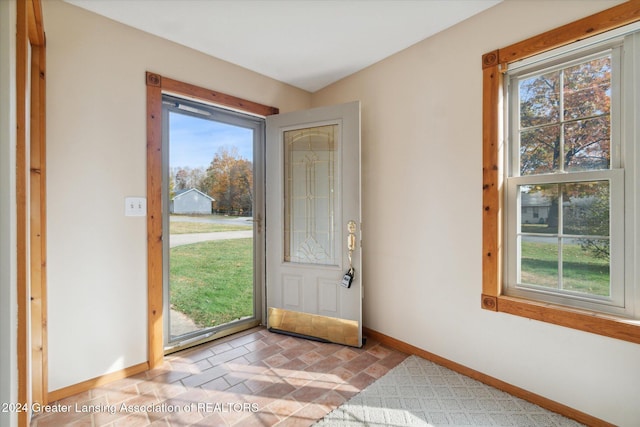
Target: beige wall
<point>96,136</point>
<point>422,201</point>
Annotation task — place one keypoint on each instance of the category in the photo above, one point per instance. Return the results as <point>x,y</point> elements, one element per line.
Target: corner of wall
<point>8,298</point>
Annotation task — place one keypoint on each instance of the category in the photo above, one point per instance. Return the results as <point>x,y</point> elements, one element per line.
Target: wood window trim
<point>493,65</point>
<point>156,86</point>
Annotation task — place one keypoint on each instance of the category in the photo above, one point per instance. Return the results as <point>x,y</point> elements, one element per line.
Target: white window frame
<point>624,46</point>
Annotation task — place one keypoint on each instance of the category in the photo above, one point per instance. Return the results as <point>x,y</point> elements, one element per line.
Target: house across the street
<point>191,202</point>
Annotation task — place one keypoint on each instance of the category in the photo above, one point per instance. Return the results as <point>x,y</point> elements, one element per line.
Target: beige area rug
<point>418,392</point>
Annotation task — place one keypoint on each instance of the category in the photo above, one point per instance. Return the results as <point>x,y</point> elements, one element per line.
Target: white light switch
<point>135,206</point>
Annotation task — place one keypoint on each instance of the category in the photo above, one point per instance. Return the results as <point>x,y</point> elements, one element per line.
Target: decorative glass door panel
<point>310,190</point>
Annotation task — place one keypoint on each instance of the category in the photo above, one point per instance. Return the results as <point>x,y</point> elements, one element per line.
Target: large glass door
<point>212,223</point>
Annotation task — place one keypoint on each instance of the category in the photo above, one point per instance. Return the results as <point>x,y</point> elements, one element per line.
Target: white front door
<point>313,224</point>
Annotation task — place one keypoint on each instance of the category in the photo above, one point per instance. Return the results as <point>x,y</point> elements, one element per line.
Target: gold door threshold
<point>314,326</point>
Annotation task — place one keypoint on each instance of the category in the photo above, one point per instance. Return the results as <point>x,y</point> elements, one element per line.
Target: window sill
<point>587,321</point>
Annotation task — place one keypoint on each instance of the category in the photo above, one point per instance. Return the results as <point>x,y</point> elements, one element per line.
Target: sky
<point>194,141</point>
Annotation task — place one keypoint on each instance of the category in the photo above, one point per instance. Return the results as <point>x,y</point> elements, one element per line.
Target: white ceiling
<point>306,43</point>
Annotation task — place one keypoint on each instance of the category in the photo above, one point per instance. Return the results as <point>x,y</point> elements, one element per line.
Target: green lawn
<point>212,282</point>
<point>582,272</point>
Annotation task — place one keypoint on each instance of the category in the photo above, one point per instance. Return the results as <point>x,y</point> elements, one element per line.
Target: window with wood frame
<point>560,111</point>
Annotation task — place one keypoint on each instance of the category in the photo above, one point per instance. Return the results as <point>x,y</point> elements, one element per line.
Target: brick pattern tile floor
<point>256,378</point>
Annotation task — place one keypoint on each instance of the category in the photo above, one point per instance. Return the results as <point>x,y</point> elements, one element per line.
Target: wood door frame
<point>156,85</point>
<point>31,206</point>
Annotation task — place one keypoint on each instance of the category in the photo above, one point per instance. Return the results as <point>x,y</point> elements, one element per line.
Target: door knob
<point>258,221</point>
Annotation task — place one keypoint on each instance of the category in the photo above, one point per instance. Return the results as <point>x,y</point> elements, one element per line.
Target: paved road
<point>243,220</point>
<point>187,239</point>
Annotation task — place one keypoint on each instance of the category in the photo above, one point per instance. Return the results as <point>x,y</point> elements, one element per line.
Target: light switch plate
<point>135,206</point>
